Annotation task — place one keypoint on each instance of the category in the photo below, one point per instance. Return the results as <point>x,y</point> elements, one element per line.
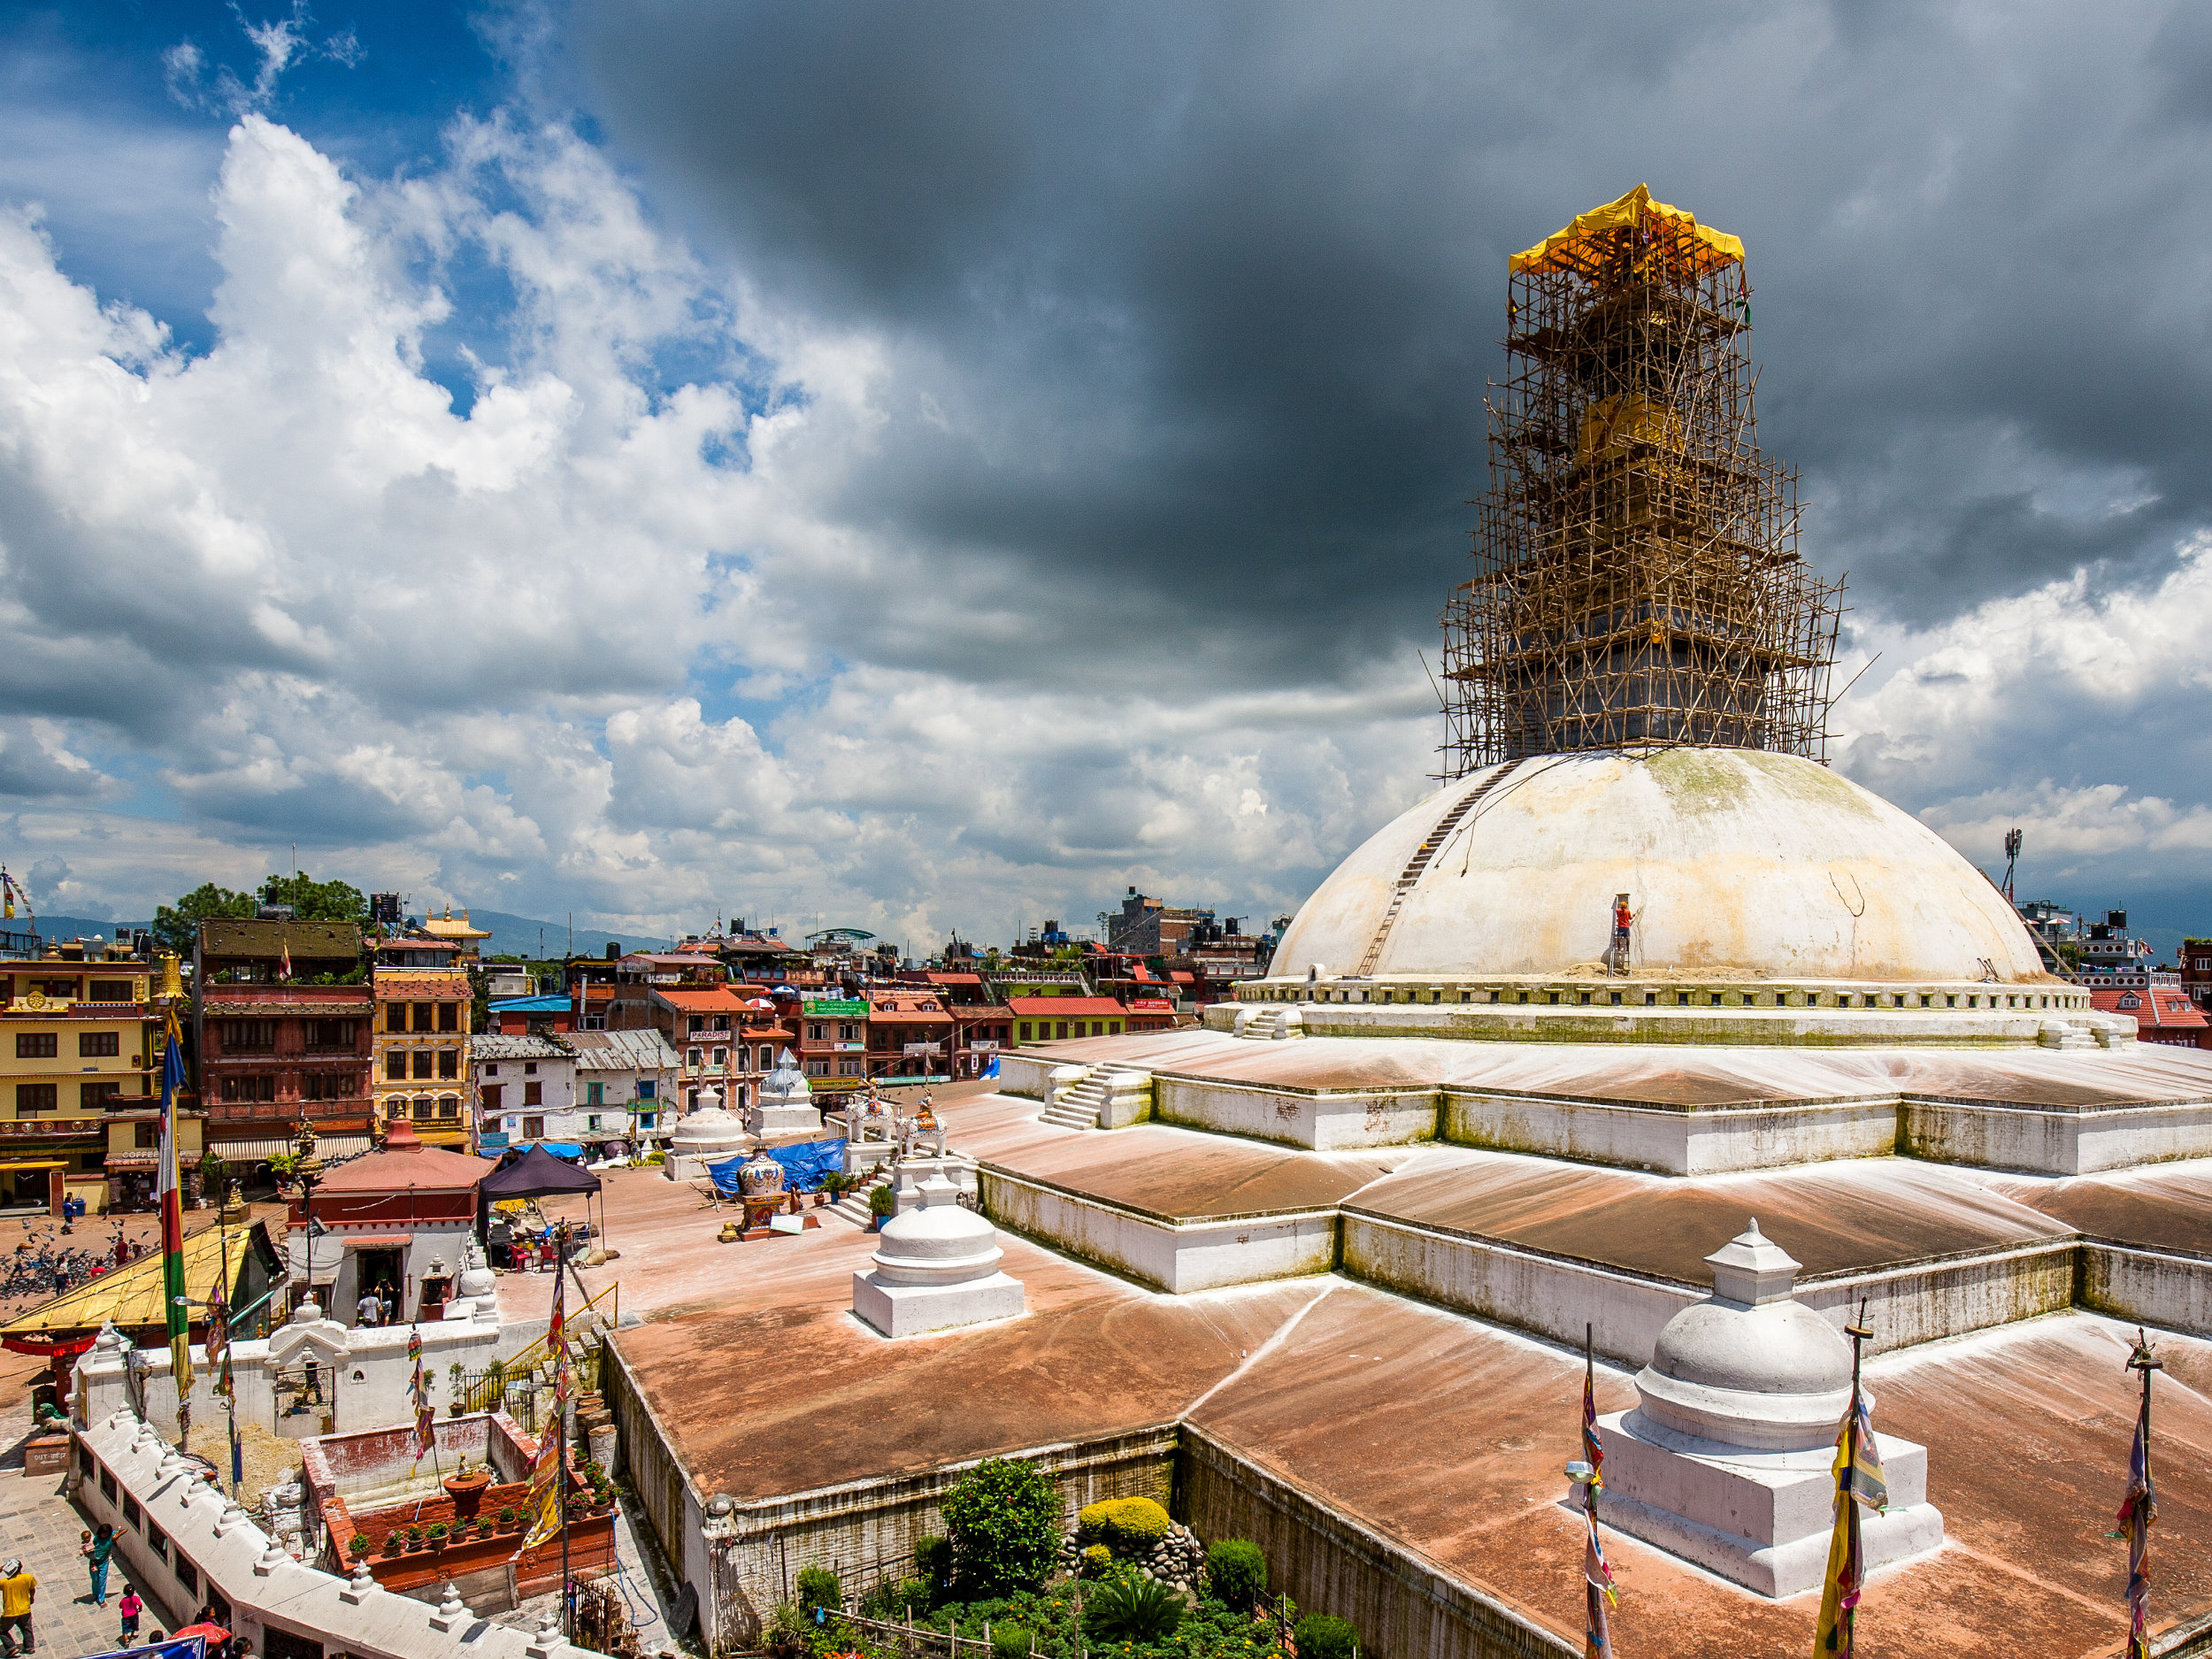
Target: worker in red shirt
<point>1624,918</point>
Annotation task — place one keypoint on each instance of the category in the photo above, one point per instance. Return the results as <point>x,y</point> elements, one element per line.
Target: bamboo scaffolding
<point>1637,580</point>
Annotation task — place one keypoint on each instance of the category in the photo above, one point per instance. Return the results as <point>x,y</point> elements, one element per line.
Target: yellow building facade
<point>79,1039</point>
<point>422,1051</point>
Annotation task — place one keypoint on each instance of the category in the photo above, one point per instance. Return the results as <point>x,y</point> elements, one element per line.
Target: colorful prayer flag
<point>1839,1596</point>
<point>1593,1449</point>
<point>169,1193</point>
<point>1597,1593</point>
<point>426,1416</point>
<point>2138,1510</point>
<point>218,1333</point>
<point>548,1476</point>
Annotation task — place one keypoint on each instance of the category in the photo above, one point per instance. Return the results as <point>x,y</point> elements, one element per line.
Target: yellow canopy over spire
<point>1594,238</point>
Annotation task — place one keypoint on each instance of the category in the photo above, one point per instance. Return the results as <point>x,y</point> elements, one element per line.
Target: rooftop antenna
<point>2012,858</point>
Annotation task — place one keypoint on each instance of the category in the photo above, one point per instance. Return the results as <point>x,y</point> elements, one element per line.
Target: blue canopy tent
<point>803,1166</point>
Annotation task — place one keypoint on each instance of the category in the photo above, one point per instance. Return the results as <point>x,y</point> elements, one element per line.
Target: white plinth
<point>906,1188</point>
<point>777,1120</point>
<point>1760,1518</point>
<point>692,1166</point>
<point>915,1309</point>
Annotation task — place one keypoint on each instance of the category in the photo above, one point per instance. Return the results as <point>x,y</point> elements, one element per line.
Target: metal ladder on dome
<point>1419,863</point>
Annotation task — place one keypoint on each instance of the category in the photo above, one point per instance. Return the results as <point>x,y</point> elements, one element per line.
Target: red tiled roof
<point>1066,1007</point>
<point>2161,1008</point>
<point>954,979</point>
<point>717,999</point>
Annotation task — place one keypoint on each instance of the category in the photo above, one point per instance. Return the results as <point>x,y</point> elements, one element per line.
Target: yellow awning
<point>1589,240</point>
<point>33,1164</point>
<point>132,1294</point>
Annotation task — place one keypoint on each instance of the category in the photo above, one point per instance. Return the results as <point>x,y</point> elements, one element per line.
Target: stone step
<point>1066,1117</point>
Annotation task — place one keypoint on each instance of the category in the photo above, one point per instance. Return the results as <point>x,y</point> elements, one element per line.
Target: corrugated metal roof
<point>494,1046</point>
<point>314,941</point>
<point>132,1294</point>
<point>645,1051</point>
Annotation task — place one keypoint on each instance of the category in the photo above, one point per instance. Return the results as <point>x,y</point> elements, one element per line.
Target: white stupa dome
<point>1739,864</point>
<point>1750,1365</point>
<point>938,1243</point>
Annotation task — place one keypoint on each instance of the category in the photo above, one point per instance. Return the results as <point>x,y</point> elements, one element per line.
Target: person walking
<point>371,1308</point>
<point>130,1607</point>
<point>98,1547</point>
<point>18,1589</point>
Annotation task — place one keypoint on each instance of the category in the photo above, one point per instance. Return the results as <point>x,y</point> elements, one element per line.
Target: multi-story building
<point>2195,968</point>
<point>282,1025</point>
<point>624,1076</point>
<point>2162,1013</point>
<point>422,1050</point>
<point>78,1043</point>
<point>1056,1019</point>
<point>596,1092</point>
<point>980,1030</point>
<point>719,1037</point>
<point>833,1043</point>
<point>525,1091</point>
<point>909,1034</point>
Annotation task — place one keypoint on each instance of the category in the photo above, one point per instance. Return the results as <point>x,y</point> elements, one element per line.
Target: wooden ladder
<point>1431,844</point>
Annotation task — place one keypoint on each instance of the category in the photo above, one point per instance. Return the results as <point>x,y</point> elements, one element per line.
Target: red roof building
<point>726,1038</point>
<point>1052,1018</point>
<point>909,1034</point>
<point>2162,1014</point>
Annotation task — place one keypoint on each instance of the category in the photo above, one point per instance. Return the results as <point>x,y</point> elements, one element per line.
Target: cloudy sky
<point>921,466</point>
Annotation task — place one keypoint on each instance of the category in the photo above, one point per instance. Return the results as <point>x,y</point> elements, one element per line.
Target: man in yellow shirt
<point>17,1590</point>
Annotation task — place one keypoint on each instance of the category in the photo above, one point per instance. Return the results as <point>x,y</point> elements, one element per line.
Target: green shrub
<point>933,1560</point>
<point>1325,1636</point>
<point>892,1601</point>
<point>1003,1519</point>
<point>818,1587</point>
<point>1127,1525</point>
<point>1011,1641</point>
<point>1135,1610</point>
<point>1236,1572</point>
<point>358,1545</point>
<point>1097,1559</point>
<point>881,1200</point>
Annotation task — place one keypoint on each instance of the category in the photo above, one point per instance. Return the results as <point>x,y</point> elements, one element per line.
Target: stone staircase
<point>854,1205</point>
<point>1270,1023</point>
<point>1077,1105</point>
<point>2066,1034</point>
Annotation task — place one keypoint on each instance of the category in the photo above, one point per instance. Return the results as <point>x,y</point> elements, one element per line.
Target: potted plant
<point>357,1546</point>
<point>508,1519</point>
<point>438,1533</point>
<point>466,1486</point>
<point>394,1541</point>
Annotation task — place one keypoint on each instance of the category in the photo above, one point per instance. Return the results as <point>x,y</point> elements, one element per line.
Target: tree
<point>314,900</point>
<point>176,926</point>
<point>1003,1520</point>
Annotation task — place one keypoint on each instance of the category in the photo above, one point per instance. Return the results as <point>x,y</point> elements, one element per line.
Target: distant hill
<point>75,927</point>
<point>511,935</point>
<point>517,936</point>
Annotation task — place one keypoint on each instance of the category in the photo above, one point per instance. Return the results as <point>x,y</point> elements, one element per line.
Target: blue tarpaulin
<point>563,1150</point>
<point>803,1165</point>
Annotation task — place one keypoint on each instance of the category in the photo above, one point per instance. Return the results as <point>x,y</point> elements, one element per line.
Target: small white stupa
<point>935,1267</point>
<point>1729,1459</point>
<point>708,1135</point>
<point>787,1101</point>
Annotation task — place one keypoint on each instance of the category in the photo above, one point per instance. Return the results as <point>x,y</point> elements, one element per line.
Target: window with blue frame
<point>645,1088</point>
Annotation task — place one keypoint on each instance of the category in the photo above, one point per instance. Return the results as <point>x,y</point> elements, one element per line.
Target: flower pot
<point>467,1493</point>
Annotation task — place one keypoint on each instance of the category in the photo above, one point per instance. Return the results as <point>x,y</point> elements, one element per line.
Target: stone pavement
<point>42,1526</point>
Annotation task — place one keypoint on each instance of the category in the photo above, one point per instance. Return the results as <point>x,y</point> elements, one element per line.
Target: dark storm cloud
<point>1202,298</point>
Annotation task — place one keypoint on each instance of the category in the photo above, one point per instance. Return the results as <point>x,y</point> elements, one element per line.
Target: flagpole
<point>560,1464</point>
<point>2142,1504</point>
